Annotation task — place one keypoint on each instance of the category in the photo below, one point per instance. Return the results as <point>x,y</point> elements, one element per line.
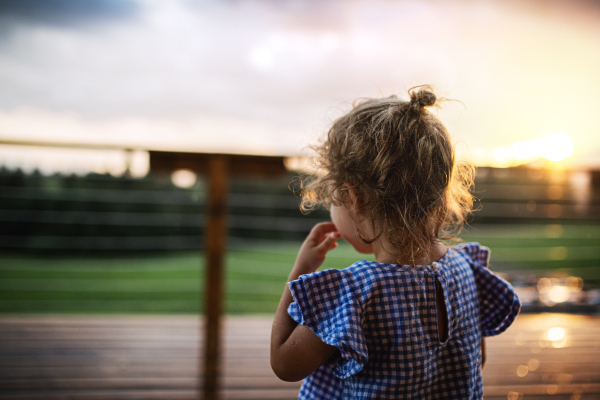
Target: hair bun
<point>422,98</point>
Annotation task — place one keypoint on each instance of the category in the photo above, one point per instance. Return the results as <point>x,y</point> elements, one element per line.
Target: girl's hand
<point>321,239</point>
<point>296,351</point>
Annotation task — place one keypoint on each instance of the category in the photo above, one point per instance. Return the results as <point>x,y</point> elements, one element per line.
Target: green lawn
<point>255,275</point>
<point>565,249</point>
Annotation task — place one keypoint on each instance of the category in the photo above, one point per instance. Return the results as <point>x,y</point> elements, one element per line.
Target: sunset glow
<point>552,148</point>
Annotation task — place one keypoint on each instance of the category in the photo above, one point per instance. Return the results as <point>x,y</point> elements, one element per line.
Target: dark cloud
<point>65,12</point>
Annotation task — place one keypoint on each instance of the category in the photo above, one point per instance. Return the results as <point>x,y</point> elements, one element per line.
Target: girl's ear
<point>355,201</point>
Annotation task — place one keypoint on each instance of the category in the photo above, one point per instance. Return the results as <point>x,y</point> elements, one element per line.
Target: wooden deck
<point>156,357</point>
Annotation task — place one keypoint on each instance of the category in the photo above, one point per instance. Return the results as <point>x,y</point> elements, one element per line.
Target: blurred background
<point>101,257</point>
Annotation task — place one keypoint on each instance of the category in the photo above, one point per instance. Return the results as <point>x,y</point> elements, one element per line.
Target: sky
<point>269,77</point>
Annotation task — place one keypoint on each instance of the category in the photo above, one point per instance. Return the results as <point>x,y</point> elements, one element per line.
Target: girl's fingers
<point>323,228</point>
<point>316,246</point>
<point>319,231</point>
<point>329,243</point>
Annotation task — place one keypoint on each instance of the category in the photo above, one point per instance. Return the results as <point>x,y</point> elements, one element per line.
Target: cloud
<point>202,133</point>
<point>524,70</point>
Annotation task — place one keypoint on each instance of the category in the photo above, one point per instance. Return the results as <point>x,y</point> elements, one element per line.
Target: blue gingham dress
<point>383,320</point>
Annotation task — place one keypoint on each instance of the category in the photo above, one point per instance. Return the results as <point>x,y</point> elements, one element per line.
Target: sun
<point>556,147</point>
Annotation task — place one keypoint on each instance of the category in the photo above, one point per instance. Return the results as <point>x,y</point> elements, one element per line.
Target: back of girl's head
<point>399,159</point>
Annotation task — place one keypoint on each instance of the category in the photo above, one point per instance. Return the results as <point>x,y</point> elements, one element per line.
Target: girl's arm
<point>296,351</point>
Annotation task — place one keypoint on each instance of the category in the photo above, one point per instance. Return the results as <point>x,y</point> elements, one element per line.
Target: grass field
<point>255,275</point>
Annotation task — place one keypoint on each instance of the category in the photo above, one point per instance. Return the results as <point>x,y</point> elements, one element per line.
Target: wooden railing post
<point>216,237</point>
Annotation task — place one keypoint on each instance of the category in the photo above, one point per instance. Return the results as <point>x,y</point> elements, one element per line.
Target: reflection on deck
<point>152,357</point>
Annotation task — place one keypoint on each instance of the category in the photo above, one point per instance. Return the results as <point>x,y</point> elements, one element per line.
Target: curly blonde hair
<point>398,158</point>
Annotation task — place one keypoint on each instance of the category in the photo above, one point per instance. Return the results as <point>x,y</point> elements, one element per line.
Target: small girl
<point>409,325</point>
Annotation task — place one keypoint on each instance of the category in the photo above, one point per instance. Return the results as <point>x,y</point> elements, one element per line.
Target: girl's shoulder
<point>499,304</point>
<point>365,273</point>
<point>473,251</point>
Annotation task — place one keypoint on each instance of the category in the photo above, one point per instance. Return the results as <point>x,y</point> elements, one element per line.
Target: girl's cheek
<point>341,219</point>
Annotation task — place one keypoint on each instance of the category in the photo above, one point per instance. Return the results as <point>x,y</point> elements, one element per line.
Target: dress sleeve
<point>498,302</point>
<point>325,302</point>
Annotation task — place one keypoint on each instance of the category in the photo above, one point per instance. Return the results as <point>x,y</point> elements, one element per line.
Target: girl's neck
<point>386,253</point>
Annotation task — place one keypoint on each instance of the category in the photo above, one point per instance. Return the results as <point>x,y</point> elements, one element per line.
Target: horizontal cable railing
<point>101,242</point>
<point>145,197</point>
<point>148,219</point>
<point>152,214</point>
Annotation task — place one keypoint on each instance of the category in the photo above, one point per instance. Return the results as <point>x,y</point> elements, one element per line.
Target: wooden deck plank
<point>151,357</point>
